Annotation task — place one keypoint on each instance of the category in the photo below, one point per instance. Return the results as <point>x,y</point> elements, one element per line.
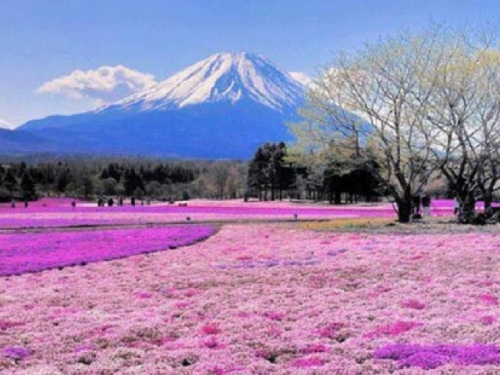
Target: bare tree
<point>418,103</point>
<point>378,97</point>
<point>465,116</point>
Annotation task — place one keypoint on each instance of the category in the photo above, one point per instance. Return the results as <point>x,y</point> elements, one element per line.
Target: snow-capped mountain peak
<point>223,77</point>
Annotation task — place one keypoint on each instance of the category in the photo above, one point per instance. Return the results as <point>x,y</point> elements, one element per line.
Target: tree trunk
<point>404,210</point>
<point>338,197</point>
<point>404,204</point>
<point>467,208</point>
<point>487,201</point>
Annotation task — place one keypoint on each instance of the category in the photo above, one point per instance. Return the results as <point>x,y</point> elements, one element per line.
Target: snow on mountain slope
<point>224,77</point>
<point>6,125</point>
<point>302,78</point>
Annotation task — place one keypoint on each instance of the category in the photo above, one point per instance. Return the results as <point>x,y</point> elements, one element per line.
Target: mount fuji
<point>221,107</point>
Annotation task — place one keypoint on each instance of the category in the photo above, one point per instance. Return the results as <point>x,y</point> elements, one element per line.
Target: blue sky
<point>41,40</point>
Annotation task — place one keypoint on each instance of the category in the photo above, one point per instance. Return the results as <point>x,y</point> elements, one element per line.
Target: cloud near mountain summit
<point>103,85</point>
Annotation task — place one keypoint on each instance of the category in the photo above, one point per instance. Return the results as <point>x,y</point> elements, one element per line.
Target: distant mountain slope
<point>21,142</point>
<point>223,106</point>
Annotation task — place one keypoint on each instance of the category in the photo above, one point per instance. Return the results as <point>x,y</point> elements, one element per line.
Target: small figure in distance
<point>13,203</point>
<point>416,200</point>
<point>111,202</point>
<point>100,202</point>
<point>456,206</point>
<point>120,201</point>
<point>73,203</point>
<point>426,204</point>
<point>132,200</point>
<point>26,203</point>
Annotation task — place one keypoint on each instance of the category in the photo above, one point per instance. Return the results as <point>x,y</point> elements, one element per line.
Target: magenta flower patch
<point>489,299</point>
<point>314,348</point>
<point>31,252</point>
<point>274,315</point>
<point>308,362</point>
<point>431,356</point>
<point>210,329</point>
<point>487,320</point>
<point>6,324</point>
<point>15,352</point>
<point>330,331</point>
<point>413,304</point>
<point>394,329</point>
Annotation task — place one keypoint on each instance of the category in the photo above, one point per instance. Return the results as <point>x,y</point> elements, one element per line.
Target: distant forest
<point>270,175</point>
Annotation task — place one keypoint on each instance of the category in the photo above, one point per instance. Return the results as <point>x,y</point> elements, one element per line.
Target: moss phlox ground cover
<point>265,298</point>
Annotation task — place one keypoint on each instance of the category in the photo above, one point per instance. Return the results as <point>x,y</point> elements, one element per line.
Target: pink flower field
<point>254,299</point>
<point>59,213</point>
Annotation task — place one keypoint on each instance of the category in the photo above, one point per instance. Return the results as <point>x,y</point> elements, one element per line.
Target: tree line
<point>271,174</point>
<point>88,178</point>
<point>276,173</point>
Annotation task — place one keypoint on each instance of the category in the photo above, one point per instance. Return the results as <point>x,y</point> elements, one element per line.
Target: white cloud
<point>102,85</point>
<point>6,125</point>
<point>302,78</point>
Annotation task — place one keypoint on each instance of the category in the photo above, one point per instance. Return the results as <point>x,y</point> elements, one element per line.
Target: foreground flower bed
<point>265,299</point>
<point>30,252</point>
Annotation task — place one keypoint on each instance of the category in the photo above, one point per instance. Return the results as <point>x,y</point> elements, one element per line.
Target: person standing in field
<point>416,201</point>
<point>426,204</point>
<point>456,206</point>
